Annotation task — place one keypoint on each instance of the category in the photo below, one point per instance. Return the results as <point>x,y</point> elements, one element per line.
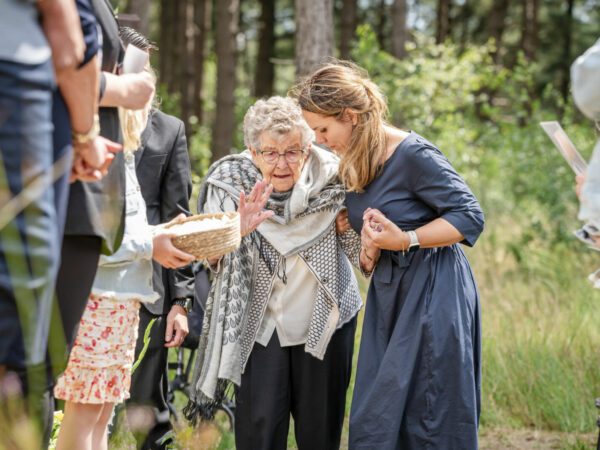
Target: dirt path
<point>210,438</point>
<point>507,439</point>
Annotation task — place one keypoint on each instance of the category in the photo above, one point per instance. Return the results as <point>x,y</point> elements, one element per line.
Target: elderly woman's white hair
<point>277,115</point>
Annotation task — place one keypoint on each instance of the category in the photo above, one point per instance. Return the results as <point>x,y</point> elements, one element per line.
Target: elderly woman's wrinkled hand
<point>342,223</point>
<point>251,207</point>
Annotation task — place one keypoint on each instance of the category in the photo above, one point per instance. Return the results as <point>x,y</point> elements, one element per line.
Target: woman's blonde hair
<point>333,90</point>
<point>132,126</point>
<point>133,122</point>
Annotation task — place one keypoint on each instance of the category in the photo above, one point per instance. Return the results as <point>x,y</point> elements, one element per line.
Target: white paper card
<point>135,59</point>
<point>565,146</point>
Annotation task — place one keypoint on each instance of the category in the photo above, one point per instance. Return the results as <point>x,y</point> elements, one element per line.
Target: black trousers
<point>279,381</point>
<point>150,383</point>
<point>79,263</point>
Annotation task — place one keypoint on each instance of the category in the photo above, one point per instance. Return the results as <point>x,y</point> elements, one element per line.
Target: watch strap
<point>185,303</point>
<point>93,133</point>
<point>414,244</point>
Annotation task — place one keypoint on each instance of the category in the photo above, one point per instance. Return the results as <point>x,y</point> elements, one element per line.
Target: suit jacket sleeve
<point>176,188</point>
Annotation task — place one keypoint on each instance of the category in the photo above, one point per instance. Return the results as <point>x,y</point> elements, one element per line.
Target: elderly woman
<point>280,318</point>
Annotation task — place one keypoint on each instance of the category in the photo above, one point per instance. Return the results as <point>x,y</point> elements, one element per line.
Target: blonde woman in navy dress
<point>418,376</point>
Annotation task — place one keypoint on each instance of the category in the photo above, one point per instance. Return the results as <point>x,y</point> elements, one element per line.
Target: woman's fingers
<point>266,194</point>
<point>261,217</point>
<point>257,199</point>
<point>253,192</point>
<point>242,206</point>
<point>368,212</point>
<point>341,222</point>
<point>374,214</point>
<point>176,220</point>
<point>263,192</point>
<point>266,214</point>
<point>258,190</point>
<point>368,236</point>
<point>373,233</point>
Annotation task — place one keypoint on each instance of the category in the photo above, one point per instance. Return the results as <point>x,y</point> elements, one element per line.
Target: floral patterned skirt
<point>99,368</point>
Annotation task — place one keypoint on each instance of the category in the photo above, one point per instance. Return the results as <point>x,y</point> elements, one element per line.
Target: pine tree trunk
<point>141,8</point>
<point>187,69</point>
<point>179,45</point>
<point>568,35</point>
<point>314,34</point>
<point>225,43</point>
<point>347,27</point>
<point>167,16</point>
<point>464,32</point>
<point>202,25</point>
<point>443,21</point>
<point>529,28</point>
<point>265,70</point>
<point>496,25</point>
<point>399,30</point>
<point>382,13</point>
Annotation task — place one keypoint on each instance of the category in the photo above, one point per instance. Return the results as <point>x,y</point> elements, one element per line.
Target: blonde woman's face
<point>330,131</point>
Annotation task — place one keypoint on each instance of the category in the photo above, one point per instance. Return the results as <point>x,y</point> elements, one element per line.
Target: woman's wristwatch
<point>185,303</point>
<point>93,133</point>
<point>413,244</point>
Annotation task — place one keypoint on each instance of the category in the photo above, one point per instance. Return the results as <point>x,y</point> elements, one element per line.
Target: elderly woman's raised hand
<point>251,207</point>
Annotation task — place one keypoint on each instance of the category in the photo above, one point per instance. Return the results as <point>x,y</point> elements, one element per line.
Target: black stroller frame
<point>181,383</point>
<point>183,365</point>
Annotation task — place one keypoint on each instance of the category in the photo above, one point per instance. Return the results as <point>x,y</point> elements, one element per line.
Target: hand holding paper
<point>135,60</point>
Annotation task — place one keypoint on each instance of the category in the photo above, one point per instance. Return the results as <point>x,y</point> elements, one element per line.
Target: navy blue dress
<point>419,367</point>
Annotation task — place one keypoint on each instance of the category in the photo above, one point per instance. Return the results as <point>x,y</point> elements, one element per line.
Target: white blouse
<point>290,305</point>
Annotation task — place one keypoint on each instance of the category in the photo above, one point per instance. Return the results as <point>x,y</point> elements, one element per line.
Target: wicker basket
<point>210,243</point>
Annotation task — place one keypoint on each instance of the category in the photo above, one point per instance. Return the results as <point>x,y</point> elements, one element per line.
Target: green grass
<point>540,340</point>
<point>540,334</point>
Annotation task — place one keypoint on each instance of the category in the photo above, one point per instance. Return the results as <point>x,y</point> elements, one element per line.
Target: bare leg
<point>100,433</point>
<point>78,425</point>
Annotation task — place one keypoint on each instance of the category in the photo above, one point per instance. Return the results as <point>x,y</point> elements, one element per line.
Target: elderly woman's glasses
<point>291,156</point>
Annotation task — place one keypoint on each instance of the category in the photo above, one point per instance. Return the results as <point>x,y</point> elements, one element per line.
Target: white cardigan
<point>127,274</point>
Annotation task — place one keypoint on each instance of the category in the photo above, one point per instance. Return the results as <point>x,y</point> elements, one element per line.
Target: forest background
<point>475,78</point>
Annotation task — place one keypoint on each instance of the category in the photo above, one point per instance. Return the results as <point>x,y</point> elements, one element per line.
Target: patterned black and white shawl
<point>301,217</point>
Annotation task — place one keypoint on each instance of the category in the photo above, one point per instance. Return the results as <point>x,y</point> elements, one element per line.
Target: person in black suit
<point>164,174</point>
<point>95,212</point>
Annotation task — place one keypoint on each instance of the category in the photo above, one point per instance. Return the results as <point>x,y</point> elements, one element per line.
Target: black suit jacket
<point>98,209</point>
<point>164,173</point>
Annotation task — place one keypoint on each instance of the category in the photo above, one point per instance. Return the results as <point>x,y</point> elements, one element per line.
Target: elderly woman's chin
<point>283,182</point>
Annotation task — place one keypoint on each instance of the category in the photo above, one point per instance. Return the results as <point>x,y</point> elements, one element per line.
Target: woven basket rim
<point>212,242</point>
<point>232,215</point>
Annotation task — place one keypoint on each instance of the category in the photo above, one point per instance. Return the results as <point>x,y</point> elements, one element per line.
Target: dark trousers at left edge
<point>30,242</point>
